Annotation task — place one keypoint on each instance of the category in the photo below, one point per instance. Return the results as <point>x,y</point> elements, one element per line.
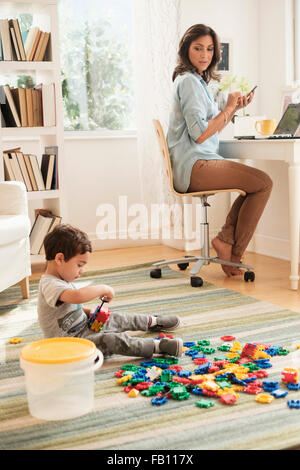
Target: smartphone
<point>251,91</point>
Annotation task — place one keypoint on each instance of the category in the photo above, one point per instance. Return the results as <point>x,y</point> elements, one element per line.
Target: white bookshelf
<point>35,139</point>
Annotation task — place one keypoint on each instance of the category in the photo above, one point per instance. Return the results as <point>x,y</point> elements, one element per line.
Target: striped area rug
<point>123,423</point>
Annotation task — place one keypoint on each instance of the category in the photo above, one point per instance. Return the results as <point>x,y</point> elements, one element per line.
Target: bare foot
<point>224,252</point>
<point>236,259</point>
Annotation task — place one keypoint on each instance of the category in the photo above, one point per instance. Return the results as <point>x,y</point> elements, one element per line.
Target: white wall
<point>272,234</point>
<point>99,170</point>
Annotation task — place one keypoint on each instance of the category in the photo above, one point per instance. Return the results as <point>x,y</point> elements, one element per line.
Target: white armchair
<point>14,237</point>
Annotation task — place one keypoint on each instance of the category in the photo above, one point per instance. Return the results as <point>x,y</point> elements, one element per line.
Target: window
<point>96,61</point>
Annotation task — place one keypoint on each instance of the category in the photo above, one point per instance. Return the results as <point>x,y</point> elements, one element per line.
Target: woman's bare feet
<point>224,252</point>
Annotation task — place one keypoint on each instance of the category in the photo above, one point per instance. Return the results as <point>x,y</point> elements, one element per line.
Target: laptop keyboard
<point>282,137</point>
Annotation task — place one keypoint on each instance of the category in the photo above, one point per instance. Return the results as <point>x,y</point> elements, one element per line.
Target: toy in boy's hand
<point>99,317</point>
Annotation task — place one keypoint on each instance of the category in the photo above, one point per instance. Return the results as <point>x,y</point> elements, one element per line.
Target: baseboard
<point>114,240</point>
<point>270,246</point>
<point>260,244</point>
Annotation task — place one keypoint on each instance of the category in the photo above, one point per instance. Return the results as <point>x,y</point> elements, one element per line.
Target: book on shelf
<point>8,107</point>
<point>6,41</point>
<point>48,103</point>
<point>49,150</point>
<point>28,107</point>
<point>44,222</point>
<point>15,167</point>
<point>19,166</point>
<point>19,96</point>
<point>15,49</point>
<point>24,171</point>
<point>8,168</point>
<point>37,172</point>
<point>23,45</point>
<point>30,172</point>
<point>47,169</point>
<point>42,46</point>
<point>14,24</point>
<point>31,42</point>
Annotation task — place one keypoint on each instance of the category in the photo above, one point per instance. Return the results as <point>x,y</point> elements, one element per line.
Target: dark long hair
<point>183,62</point>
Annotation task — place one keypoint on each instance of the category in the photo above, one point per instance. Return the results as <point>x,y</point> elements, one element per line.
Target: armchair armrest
<point>13,199</point>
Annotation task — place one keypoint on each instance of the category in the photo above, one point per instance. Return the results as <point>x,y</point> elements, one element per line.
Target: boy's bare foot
<point>224,252</point>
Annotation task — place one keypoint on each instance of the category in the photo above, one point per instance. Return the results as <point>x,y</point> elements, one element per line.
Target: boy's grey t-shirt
<point>57,318</point>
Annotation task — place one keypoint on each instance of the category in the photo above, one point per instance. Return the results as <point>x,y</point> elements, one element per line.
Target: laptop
<point>286,128</point>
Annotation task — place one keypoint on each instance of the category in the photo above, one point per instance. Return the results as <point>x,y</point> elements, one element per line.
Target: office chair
<point>204,258</point>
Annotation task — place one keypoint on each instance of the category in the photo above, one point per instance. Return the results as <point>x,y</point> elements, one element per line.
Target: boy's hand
<point>108,293</point>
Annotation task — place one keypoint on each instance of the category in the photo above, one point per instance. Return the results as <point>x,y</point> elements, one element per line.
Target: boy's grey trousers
<point>112,339</point>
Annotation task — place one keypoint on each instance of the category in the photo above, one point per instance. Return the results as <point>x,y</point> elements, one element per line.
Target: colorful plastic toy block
<point>292,386</point>
<point>249,350</point>
<point>228,338</point>
<point>99,318</point>
<point>205,403</point>
<point>133,393</point>
<point>16,340</point>
<point>289,375</point>
<point>294,404</point>
<point>270,386</point>
<point>229,398</point>
<point>159,401</point>
<point>264,398</point>
<point>279,393</point>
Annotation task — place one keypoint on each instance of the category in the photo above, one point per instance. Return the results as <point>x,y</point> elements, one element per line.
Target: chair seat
<point>13,228</point>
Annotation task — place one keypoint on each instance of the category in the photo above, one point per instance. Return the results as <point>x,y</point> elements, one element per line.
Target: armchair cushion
<point>13,228</point>
<point>14,234</point>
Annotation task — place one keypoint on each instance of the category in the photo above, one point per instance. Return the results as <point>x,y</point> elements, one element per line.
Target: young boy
<point>60,309</point>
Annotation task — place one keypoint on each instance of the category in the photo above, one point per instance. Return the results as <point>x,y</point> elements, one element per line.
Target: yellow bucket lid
<point>58,350</point>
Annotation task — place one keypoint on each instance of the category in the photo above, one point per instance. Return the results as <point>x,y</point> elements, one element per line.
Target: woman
<point>193,143</point>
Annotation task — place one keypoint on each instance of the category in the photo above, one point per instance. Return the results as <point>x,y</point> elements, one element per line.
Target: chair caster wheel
<point>196,281</point>
<point>249,276</point>
<point>156,273</point>
<point>183,266</point>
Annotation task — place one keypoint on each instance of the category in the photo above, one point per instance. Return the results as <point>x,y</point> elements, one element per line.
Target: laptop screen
<point>290,120</point>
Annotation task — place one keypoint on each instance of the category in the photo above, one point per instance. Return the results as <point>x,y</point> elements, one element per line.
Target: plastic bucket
<point>59,375</point>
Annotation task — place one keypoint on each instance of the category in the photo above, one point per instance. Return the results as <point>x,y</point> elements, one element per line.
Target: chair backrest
<point>167,162</point>
<point>164,151</point>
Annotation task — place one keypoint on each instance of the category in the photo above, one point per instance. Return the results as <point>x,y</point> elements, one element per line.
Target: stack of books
<point>44,222</point>
<point>28,107</point>
<point>32,45</point>
<point>19,166</point>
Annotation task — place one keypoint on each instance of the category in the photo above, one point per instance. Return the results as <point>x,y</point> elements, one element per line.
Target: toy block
<point>264,398</point>
<point>133,393</point>
<point>229,398</point>
<point>204,403</point>
<point>289,375</point>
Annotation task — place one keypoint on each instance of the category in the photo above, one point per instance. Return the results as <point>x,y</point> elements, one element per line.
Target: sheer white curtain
<point>157,37</point>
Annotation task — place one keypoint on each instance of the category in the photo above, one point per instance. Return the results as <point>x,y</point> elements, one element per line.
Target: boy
<point>60,309</point>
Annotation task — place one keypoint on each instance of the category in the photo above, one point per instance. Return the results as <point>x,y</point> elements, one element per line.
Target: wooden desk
<point>287,151</point>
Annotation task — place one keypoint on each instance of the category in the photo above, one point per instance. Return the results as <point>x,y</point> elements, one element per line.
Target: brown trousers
<point>246,210</point>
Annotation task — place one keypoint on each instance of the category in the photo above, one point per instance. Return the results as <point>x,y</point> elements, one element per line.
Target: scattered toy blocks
<point>220,378</point>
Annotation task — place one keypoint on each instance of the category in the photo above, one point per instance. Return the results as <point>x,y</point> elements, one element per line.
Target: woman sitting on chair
<point>193,142</point>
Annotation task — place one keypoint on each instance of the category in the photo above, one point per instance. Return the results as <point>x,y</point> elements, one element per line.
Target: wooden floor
<point>271,282</point>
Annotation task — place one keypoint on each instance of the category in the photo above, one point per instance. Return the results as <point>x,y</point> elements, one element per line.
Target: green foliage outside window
<point>96,73</point>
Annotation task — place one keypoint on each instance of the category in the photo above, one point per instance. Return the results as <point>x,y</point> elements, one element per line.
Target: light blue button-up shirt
<point>192,106</point>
